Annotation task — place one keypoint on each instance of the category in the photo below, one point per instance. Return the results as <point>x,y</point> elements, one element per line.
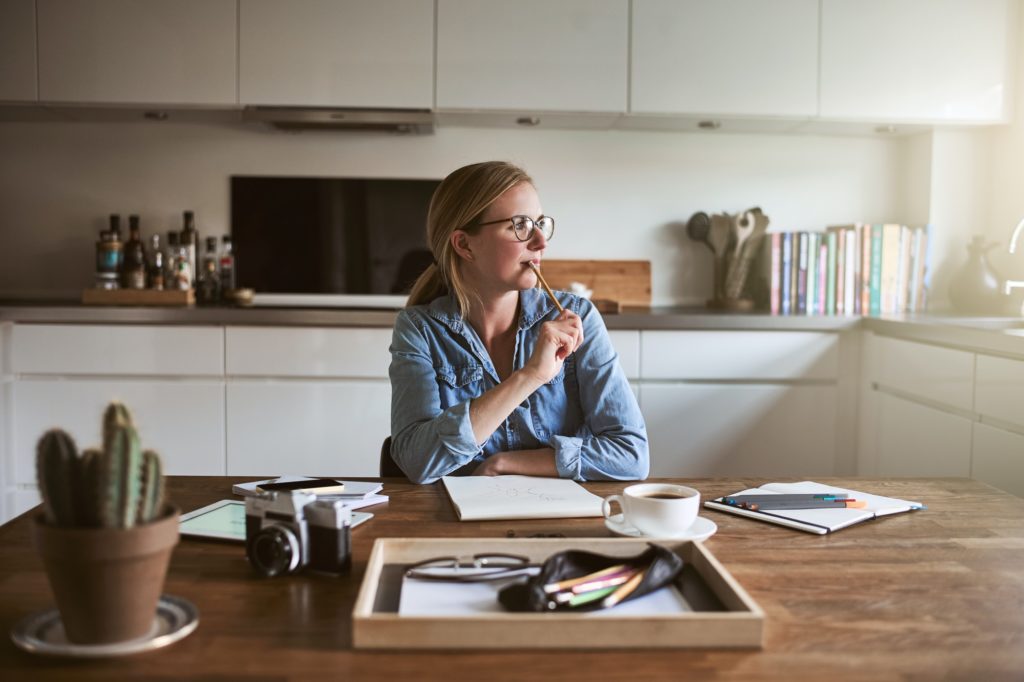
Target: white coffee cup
<point>656,509</point>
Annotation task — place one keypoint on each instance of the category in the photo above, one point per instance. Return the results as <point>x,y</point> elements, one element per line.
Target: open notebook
<point>482,498</point>
<point>818,521</point>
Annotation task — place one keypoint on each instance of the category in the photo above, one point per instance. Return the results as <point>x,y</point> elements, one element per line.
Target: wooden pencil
<point>624,590</point>
<point>540,278</point>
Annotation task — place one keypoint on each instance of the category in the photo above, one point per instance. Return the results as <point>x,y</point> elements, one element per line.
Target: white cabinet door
<point>999,389</point>
<point>183,421</point>
<point>18,51</point>
<point>734,430</point>
<point>915,440</point>
<point>321,428</point>
<point>998,458</point>
<point>742,57</point>
<point>308,352</point>
<point>918,60</point>
<point>741,355</point>
<point>532,55</point>
<point>340,53</point>
<point>627,345</point>
<point>940,375</point>
<point>126,51</point>
<point>117,349</point>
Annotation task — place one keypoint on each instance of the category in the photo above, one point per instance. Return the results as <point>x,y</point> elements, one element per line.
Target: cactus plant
<point>116,487</point>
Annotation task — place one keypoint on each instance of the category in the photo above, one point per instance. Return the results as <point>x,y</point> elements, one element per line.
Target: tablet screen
<point>226,520</point>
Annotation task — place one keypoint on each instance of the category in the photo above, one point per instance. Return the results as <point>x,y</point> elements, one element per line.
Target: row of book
<point>857,269</point>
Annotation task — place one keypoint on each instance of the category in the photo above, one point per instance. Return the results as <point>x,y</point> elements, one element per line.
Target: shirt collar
<point>534,306</point>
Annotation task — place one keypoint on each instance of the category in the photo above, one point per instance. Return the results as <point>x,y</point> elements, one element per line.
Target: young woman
<point>487,377</point>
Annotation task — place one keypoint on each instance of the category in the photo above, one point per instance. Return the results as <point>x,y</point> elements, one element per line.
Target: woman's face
<point>494,260</point>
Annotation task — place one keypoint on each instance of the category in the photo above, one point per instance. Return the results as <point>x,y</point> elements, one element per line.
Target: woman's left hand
<point>490,466</point>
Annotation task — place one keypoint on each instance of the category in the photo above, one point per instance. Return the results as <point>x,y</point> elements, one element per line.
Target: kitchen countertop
<point>1004,336</point>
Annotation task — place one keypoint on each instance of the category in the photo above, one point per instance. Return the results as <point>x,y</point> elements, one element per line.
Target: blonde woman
<point>487,377</point>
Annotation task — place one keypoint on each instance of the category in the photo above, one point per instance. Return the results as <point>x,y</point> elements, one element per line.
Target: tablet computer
<point>225,520</point>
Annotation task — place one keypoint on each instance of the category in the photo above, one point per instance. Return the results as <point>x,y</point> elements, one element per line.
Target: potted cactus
<point>105,534</point>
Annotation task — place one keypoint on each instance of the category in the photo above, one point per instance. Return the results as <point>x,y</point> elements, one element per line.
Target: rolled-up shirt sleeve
<point>612,442</point>
<point>427,442</point>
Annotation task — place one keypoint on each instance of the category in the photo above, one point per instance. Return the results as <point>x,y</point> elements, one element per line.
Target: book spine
<point>875,286</point>
<point>850,283</point>
<point>801,282</point>
<point>840,272</point>
<point>812,272</point>
<point>903,273</point>
<point>787,272</point>
<point>776,273</point>
<point>830,293</point>
<point>865,270</point>
<point>823,275</point>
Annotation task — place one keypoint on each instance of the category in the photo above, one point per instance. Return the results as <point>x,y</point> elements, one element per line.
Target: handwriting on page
<point>508,490</point>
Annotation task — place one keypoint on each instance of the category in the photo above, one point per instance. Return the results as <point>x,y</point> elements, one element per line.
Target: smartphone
<point>319,486</point>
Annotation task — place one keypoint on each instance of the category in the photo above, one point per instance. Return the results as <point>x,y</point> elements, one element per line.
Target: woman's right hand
<point>556,341</point>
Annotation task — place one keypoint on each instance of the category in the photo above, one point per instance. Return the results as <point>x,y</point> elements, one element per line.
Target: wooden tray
<point>724,615</point>
<point>627,282</point>
<point>138,297</point>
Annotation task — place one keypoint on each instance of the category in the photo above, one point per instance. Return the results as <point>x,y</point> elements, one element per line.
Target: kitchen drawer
<point>941,375</point>
<point>738,355</point>
<point>917,440</point>
<point>999,389</point>
<point>182,420</point>
<point>997,458</point>
<point>117,349</point>
<point>308,352</point>
<point>321,428</point>
<point>627,345</point>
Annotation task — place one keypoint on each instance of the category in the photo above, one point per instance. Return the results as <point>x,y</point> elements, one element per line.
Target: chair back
<point>388,467</point>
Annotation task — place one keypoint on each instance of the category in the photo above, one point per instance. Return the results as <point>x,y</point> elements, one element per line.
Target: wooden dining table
<point>927,595</point>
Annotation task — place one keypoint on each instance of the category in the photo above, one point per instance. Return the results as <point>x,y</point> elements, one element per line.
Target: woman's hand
<point>490,466</point>
<point>556,341</point>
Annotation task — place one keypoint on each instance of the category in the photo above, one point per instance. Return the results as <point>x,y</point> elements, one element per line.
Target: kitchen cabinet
<point>998,458</point>
<point>999,391</point>
<point>326,427</point>
<point>627,344</point>
<point>928,61</point>
<point>173,52</point>
<point>940,375</point>
<point>337,53</point>
<point>740,430</point>
<point>725,57</point>
<point>744,403</point>
<point>18,51</point>
<point>181,420</point>
<point>532,55</point>
<point>918,440</point>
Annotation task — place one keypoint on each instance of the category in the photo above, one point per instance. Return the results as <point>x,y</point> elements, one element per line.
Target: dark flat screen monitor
<point>300,235</point>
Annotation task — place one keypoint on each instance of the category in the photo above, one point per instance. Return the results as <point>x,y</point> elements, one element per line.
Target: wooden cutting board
<point>627,282</point>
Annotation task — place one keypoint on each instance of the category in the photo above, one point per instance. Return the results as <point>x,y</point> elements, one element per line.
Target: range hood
<point>402,121</point>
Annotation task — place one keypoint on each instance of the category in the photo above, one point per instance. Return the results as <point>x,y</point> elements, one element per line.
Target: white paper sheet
<point>478,498</point>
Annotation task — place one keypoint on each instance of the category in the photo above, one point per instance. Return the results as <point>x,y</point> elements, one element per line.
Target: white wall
<point>616,194</point>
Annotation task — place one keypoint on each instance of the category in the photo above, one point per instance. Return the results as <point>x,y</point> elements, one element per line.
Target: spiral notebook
<point>818,521</point>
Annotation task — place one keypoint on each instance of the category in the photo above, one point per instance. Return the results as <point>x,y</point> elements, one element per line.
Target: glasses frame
<point>529,221</point>
<point>505,566</point>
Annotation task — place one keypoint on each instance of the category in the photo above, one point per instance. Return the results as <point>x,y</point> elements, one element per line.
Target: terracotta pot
<point>107,580</point>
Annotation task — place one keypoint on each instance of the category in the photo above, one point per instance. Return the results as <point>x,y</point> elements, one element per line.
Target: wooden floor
<point>936,594</point>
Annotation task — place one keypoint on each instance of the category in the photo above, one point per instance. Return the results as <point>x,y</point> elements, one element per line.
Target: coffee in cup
<point>656,509</point>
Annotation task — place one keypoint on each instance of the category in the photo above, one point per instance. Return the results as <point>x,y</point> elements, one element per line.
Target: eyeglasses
<point>524,226</point>
<point>477,568</point>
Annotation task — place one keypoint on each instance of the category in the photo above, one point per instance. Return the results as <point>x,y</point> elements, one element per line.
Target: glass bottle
<point>133,270</point>
<point>156,265</point>
<point>189,239</point>
<point>208,288</point>
<point>106,261</point>
<point>170,254</point>
<point>118,245</point>
<point>227,265</point>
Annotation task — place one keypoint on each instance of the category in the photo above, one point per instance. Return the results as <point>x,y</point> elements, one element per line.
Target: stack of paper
<point>478,498</point>
<point>356,494</point>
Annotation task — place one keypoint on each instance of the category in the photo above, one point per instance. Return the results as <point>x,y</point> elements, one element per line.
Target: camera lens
<point>274,551</point>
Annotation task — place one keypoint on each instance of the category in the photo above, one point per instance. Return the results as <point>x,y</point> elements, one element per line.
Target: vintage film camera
<point>285,531</point>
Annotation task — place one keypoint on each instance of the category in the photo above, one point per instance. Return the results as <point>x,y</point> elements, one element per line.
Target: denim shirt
<point>587,413</point>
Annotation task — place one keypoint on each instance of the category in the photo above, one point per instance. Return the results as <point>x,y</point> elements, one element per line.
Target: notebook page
<point>833,519</point>
<point>478,498</point>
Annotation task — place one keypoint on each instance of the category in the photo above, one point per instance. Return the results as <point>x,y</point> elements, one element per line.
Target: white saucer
<point>702,529</point>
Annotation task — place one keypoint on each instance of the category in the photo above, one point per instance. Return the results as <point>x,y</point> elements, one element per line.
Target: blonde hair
<point>456,205</point>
